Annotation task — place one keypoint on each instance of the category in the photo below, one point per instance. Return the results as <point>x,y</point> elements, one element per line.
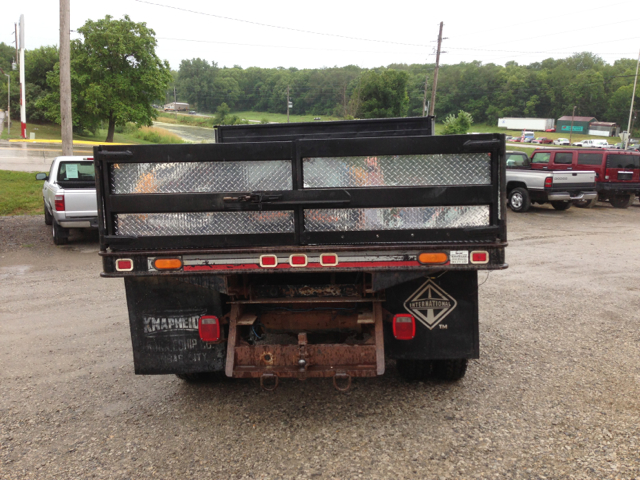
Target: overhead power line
<point>285,46</point>
<point>280,26</point>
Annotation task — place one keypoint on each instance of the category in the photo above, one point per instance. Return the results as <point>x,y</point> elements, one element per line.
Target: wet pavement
<point>37,157</point>
<point>34,157</point>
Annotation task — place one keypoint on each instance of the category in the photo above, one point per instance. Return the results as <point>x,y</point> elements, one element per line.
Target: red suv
<point>617,173</point>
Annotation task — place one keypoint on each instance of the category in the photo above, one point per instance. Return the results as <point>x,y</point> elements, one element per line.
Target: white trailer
<point>513,123</point>
<point>176,107</point>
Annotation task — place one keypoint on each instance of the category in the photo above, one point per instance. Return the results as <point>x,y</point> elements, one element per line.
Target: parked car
<point>192,112</point>
<point>69,195</point>
<point>550,129</point>
<point>617,171</point>
<point>516,139</point>
<point>542,140</point>
<point>528,139</point>
<point>526,186</point>
<point>561,141</point>
<point>592,143</point>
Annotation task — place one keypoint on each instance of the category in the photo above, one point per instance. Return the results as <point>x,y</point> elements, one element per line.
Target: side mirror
<point>42,176</point>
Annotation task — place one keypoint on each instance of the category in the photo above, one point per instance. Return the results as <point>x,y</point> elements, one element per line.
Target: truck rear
<point>305,250</point>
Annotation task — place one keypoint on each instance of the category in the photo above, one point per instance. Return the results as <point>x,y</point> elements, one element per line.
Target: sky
<point>338,33</point>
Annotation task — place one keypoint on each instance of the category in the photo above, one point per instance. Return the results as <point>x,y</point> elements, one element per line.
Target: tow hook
<point>342,376</point>
<point>271,384</point>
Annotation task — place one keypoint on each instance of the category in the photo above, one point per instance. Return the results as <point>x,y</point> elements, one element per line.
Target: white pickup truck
<point>69,195</point>
<point>558,187</point>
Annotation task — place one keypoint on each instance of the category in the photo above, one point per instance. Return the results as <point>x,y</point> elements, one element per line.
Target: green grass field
<point>281,117</point>
<point>20,193</point>
<point>50,131</point>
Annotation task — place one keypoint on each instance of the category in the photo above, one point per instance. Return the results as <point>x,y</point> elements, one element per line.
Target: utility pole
<point>344,100</point>
<point>175,101</point>
<point>633,96</point>
<point>23,101</point>
<point>8,103</point>
<point>571,131</point>
<point>435,75</point>
<point>424,100</point>
<point>66,123</point>
<point>288,103</point>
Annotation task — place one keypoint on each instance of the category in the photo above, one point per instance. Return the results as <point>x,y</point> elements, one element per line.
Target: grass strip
<point>20,193</point>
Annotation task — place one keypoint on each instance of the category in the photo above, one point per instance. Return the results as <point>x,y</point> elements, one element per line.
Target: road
<point>34,157</point>
<point>189,133</point>
<point>555,394</point>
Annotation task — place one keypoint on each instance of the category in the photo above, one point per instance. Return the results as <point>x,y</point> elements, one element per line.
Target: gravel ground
<point>555,395</point>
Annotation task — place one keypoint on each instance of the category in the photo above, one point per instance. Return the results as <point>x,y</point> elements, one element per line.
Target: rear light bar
<point>209,328</point>
<point>167,263</point>
<point>124,265</point>
<point>404,326</point>
<point>479,257</point>
<point>548,182</point>
<point>59,205</point>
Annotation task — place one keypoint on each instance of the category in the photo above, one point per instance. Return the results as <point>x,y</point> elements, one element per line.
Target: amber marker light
<point>167,263</point>
<point>439,257</point>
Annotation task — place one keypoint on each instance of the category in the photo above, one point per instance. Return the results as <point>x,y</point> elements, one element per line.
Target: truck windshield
<point>541,157</point>
<point>76,170</point>
<point>515,160</point>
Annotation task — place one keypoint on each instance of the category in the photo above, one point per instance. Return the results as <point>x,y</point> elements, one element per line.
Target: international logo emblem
<point>430,304</point>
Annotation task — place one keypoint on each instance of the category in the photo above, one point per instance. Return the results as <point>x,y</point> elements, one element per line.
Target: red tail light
<point>59,203</point>
<point>480,257</point>
<point>124,265</point>
<point>209,328</point>
<point>548,182</point>
<point>298,260</point>
<point>328,259</point>
<point>268,261</point>
<point>404,326</point>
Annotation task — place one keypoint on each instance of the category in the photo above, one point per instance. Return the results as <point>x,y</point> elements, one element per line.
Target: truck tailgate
<point>80,202</point>
<point>570,178</point>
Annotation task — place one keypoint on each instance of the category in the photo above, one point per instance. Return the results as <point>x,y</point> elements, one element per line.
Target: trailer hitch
<point>268,386</point>
<point>342,376</point>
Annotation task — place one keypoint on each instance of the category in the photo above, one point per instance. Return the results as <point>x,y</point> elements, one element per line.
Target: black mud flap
<point>446,312</point>
<point>163,314</point>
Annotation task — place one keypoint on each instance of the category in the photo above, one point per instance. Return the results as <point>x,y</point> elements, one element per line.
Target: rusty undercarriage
<point>302,338</point>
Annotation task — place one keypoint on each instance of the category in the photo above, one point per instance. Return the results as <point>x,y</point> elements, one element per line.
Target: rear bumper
<point>572,196</point>
<point>619,187</point>
<point>83,222</point>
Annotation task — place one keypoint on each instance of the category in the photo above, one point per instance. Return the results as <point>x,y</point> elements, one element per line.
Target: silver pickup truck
<point>69,195</point>
<point>560,188</point>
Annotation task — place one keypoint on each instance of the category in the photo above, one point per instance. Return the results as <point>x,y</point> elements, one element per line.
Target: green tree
<point>382,95</point>
<point>116,75</point>
<point>458,125</point>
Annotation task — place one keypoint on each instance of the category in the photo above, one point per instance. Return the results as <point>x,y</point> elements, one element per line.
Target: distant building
<point>580,124</point>
<point>604,129</point>
<point>176,107</point>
